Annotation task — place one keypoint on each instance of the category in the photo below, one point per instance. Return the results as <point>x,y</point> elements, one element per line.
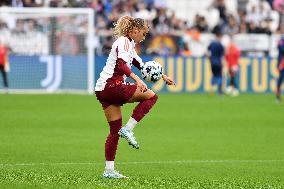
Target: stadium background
<point>186,141</point>
<point>178,39</point>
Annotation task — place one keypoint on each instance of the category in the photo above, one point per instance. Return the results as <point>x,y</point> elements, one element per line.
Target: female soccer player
<point>112,91</point>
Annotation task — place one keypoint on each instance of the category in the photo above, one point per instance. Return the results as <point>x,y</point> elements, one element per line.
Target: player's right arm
<point>140,84</point>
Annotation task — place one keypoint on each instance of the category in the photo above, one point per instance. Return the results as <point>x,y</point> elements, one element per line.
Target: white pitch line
<point>142,162</point>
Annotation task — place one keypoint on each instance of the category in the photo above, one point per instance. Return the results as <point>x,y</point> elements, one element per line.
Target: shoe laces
<point>131,134</point>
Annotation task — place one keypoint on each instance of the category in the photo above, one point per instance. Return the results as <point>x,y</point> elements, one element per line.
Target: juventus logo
<point>53,74</point>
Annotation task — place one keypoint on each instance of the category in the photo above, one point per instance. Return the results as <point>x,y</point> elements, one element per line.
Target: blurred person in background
<point>216,53</point>
<point>4,64</point>
<point>280,67</point>
<point>232,56</point>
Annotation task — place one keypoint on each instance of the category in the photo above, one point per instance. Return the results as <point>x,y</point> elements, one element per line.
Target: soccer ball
<point>152,71</point>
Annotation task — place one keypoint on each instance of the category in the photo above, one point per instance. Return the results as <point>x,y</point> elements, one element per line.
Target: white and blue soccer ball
<point>152,71</point>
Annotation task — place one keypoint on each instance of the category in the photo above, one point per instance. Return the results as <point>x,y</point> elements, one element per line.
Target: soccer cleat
<point>112,174</point>
<point>229,90</point>
<point>235,93</point>
<point>128,135</point>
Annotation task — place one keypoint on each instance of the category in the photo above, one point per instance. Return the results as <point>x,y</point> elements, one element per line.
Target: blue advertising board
<point>192,75</point>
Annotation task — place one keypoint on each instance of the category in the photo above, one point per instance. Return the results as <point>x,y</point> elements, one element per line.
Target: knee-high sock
<point>279,82</point>
<point>112,139</point>
<point>143,108</point>
<point>232,82</point>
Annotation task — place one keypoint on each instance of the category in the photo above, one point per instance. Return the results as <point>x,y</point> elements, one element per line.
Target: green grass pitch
<point>187,141</point>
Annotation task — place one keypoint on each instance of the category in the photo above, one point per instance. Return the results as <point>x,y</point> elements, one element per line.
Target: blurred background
<point>180,32</point>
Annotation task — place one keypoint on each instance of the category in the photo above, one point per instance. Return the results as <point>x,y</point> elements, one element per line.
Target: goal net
<point>50,49</point>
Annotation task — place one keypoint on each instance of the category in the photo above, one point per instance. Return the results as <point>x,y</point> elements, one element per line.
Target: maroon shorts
<point>119,94</point>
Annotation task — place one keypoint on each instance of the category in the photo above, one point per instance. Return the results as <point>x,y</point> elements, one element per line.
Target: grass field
<point>187,141</point>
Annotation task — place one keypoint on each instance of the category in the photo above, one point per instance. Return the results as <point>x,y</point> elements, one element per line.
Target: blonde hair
<point>126,24</point>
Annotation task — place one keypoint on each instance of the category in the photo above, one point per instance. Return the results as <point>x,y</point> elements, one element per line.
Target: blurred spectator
<point>218,28</point>
<point>242,22</point>
<point>201,24</point>
<point>278,5</point>
<point>19,29</point>
<point>253,16</point>
<point>194,43</point>
<point>66,43</point>
<point>142,12</point>
<point>232,26</point>
<point>17,3</point>
<point>262,6</point>
<point>5,3</point>
<point>59,3</point>
<point>242,4</point>
<point>220,5</point>
<point>112,18</point>
<point>249,16</point>
<point>98,7</point>
<point>32,3</point>
<point>161,22</point>
<point>270,2</point>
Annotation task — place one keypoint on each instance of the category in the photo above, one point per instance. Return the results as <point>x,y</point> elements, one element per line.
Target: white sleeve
<point>139,64</point>
<point>123,49</point>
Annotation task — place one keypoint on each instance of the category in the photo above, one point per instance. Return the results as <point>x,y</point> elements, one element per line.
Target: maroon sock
<point>112,139</point>
<point>278,92</point>
<point>143,108</point>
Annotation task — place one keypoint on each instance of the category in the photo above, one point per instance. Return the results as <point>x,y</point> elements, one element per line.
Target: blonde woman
<point>112,91</point>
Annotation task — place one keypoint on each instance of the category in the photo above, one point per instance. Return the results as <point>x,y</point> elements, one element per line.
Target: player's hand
<point>142,86</point>
<point>168,80</point>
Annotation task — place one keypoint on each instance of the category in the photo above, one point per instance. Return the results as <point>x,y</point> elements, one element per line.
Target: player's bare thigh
<point>113,112</point>
<point>139,96</point>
